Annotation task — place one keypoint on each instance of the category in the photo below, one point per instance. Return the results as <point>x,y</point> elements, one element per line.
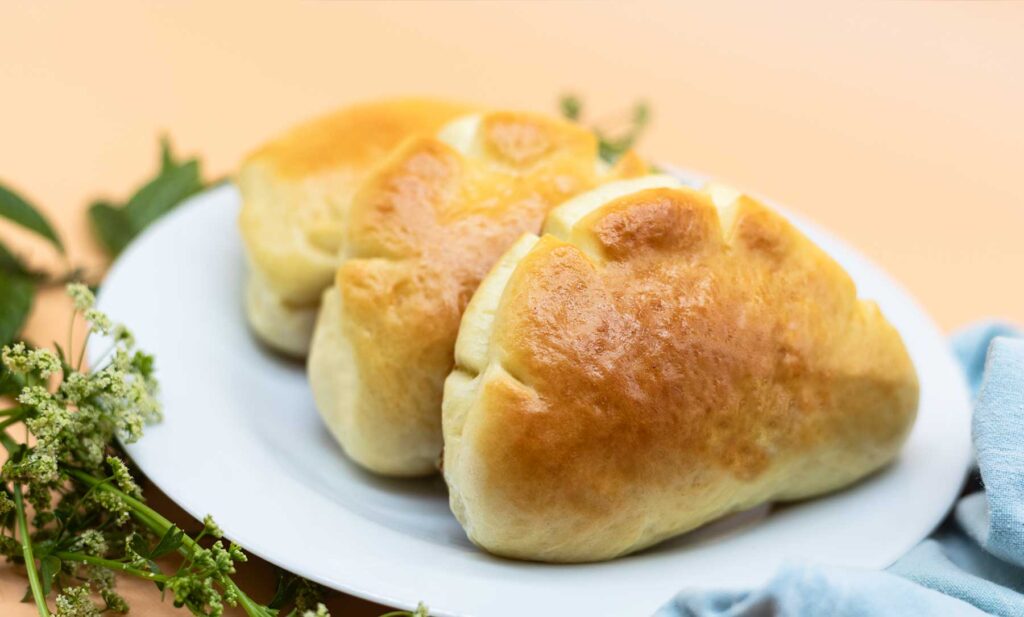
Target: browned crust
<point>672,361</point>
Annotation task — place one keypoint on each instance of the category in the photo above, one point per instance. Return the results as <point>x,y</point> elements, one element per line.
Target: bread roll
<point>423,231</point>
<point>295,197</point>
<point>661,357</point>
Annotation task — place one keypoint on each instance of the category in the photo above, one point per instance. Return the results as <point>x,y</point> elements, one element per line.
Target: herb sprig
<point>70,509</point>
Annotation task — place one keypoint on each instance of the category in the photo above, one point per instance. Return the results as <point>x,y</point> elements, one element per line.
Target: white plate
<point>242,441</point>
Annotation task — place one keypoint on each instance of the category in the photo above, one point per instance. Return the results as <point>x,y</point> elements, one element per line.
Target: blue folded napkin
<point>974,563</point>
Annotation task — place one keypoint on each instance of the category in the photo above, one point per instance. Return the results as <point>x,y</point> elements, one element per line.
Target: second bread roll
<point>422,232</point>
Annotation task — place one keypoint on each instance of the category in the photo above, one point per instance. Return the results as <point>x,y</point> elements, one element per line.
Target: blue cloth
<point>974,563</point>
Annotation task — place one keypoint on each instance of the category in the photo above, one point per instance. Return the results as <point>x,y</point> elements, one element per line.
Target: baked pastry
<point>422,232</point>
<point>295,196</point>
<point>660,357</point>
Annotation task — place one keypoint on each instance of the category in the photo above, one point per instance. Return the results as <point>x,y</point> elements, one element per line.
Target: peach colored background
<point>898,126</point>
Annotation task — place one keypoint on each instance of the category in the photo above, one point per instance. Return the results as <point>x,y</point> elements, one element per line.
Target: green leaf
<point>143,363</point>
<point>16,294</point>
<point>571,106</point>
<point>49,568</point>
<point>10,263</point>
<point>111,227</point>
<point>160,195</point>
<point>287,589</point>
<point>140,546</point>
<point>14,208</point>
<point>170,542</point>
<point>167,162</point>
<point>116,226</point>
<point>610,147</point>
<point>10,384</point>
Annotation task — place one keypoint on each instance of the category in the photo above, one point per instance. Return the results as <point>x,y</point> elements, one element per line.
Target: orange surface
<point>895,125</point>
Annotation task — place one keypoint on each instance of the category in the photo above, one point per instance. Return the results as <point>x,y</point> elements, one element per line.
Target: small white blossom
<point>122,360</point>
<point>91,541</point>
<point>51,417</point>
<point>123,477</point>
<point>98,321</point>
<point>211,528</point>
<point>75,602</point>
<point>123,336</point>
<point>321,611</point>
<point>78,387</point>
<point>21,360</point>
<point>81,296</point>
<point>40,398</point>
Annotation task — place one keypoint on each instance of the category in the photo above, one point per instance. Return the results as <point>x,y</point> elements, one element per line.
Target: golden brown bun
<point>295,198</point>
<point>423,231</point>
<point>654,362</point>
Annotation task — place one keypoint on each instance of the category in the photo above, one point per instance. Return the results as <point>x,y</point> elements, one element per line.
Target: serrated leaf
<point>170,542</point>
<point>49,568</point>
<point>16,294</point>
<point>110,227</point>
<point>16,209</point>
<point>140,546</point>
<point>155,569</point>
<point>163,193</point>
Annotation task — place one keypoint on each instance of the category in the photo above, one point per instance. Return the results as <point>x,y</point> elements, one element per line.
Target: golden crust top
<point>664,362</point>
<point>296,193</point>
<point>355,137</point>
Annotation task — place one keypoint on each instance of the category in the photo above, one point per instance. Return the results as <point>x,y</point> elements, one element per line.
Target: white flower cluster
<point>21,360</point>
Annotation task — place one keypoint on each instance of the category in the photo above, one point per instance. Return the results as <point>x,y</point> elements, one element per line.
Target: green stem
<point>26,551</point>
<point>71,337</point>
<point>14,419</point>
<point>8,442</point>
<point>159,525</point>
<point>81,354</point>
<point>110,564</point>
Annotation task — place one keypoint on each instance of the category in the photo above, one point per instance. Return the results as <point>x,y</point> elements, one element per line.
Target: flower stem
<point>81,354</point>
<point>26,551</point>
<point>159,525</point>
<point>110,564</point>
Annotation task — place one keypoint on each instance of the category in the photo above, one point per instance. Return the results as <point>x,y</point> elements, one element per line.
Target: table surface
<point>897,126</point>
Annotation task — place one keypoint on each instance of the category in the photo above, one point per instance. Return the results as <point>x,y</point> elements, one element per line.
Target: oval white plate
<point>242,441</point>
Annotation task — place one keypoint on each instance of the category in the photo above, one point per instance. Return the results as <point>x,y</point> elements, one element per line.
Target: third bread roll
<point>661,357</point>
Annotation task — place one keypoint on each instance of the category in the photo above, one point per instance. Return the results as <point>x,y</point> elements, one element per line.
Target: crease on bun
<point>423,231</point>
<point>296,192</point>
<point>660,357</point>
